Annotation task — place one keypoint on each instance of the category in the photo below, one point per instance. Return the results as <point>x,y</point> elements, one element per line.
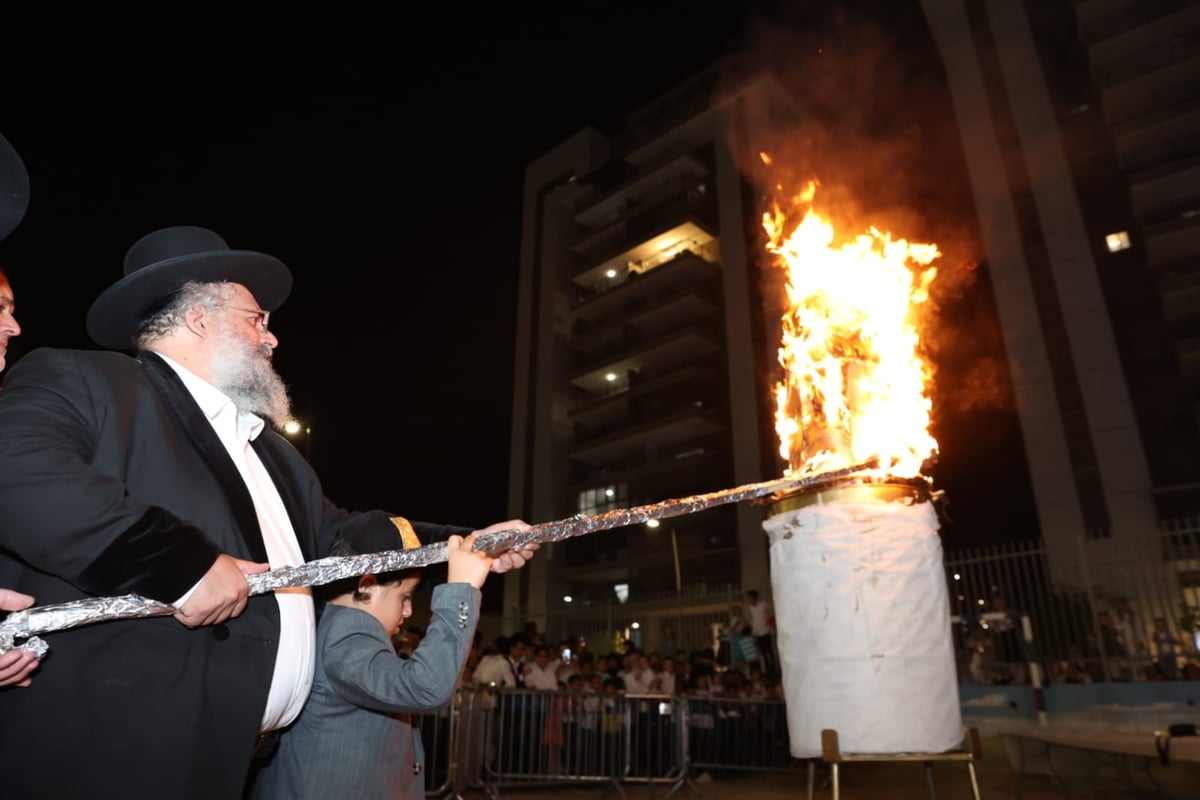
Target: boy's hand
<point>465,565</point>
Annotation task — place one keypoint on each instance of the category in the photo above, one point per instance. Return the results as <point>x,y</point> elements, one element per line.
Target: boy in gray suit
<point>355,737</point>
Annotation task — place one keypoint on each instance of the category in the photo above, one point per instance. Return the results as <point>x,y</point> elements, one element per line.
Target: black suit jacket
<point>112,481</point>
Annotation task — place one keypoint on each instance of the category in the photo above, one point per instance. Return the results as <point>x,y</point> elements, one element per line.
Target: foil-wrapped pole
<point>48,619</point>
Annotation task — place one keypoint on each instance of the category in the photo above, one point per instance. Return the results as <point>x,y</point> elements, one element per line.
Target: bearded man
<point>157,474</point>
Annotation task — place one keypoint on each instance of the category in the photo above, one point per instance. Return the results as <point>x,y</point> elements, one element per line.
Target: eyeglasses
<point>262,317</point>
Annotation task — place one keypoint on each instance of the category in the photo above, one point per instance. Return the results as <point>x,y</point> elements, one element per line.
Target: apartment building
<point>642,360</point>
<point>1081,128</point>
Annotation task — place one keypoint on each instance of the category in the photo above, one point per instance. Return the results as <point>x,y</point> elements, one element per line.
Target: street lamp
<point>295,429</point>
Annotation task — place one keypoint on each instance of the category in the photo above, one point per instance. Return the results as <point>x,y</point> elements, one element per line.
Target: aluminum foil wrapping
<point>34,644</point>
<point>48,619</point>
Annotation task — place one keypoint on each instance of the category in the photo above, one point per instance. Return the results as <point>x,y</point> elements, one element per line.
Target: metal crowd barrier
<point>737,734</point>
<point>489,740</point>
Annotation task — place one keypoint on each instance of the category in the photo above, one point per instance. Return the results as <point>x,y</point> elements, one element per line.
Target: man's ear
<point>198,320</point>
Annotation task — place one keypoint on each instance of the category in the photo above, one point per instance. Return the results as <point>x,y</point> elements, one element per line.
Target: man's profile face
<point>240,317</point>
<point>241,358</point>
<point>8,323</point>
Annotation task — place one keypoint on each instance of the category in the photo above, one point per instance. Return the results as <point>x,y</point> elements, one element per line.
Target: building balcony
<point>672,430</point>
<point>654,234</point>
<point>691,264</point>
<point>1169,139</point>
<point>682,171</point>
<point>1156,192</point>
<point>592,410</point>
<point>1135,51</point>
<point>1104,20</point>
<point>692,470</point>
<point>647,317</point>
<point>1174,240</point>
<point>1173,83</point>
<point>1181,301</point>
<point>647,357</point>
<point>648,408</point>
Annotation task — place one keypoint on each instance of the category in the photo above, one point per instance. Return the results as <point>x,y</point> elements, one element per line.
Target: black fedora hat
<point>160,263</point>
<point>14,188</point>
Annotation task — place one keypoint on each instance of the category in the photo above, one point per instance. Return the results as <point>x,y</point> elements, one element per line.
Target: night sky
<point>380,155</point>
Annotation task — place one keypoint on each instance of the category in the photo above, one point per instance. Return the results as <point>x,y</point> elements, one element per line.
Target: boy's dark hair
<point>349,585</point>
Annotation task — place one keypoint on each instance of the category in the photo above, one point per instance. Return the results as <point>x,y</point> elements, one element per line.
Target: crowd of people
<point>524,660</point>
<point>1118,648</point>
<point>560,708</point>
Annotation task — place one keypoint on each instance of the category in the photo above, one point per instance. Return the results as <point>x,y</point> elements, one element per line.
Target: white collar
<point>215,403</point>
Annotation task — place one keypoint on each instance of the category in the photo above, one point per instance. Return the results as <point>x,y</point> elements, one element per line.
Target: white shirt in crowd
<point>495,668</point>
<point>539,678</point>
<point>640,681</point>
<point>759,613</point>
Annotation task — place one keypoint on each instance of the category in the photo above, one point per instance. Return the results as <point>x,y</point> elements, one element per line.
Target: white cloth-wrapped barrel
<point>863,621</point>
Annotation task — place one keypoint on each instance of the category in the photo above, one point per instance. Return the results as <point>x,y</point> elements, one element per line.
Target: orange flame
<point>856,384</point>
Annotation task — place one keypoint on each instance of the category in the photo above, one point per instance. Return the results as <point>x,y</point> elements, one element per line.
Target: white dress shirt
<point>545,679</point>
<point>497,669</point>
<point>292,679</point>
<point>760,614</point>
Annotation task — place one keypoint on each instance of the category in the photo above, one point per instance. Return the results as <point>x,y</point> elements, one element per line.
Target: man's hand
<point>516,557</point>
<point>16,665</point>
<point>222,592</point>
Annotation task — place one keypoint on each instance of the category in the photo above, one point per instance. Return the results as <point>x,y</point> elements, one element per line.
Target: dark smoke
<point>874,124</point>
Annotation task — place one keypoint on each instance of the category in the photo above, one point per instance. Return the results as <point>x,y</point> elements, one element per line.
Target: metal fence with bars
<point>494,740</point>
<point>1126,616</point>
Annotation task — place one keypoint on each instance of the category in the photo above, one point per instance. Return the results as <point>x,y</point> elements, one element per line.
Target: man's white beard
<point>244,373</point>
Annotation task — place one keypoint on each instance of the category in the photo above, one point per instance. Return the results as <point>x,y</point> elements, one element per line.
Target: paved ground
<point>898,781</point>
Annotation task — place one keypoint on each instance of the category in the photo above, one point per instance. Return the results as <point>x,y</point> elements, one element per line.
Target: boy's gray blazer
<point>354,737</point>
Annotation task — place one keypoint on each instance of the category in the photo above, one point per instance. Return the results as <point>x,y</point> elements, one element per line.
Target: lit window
<point>602,499</point>
<point>1117,241</point>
